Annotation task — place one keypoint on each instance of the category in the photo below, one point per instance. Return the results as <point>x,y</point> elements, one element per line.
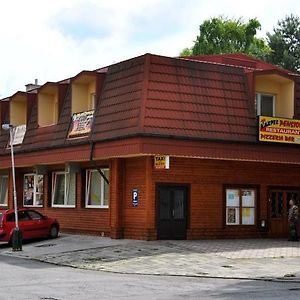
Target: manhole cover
<point>46,245</point>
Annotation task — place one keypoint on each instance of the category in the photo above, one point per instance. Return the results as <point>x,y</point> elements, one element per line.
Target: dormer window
<point>274,95</point>
<point>265,105</point>
<point>48,105</point>
<point>18,110</point>
<point>83,93</point>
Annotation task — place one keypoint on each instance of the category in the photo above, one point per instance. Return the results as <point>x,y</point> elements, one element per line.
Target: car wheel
<point>53,233</point>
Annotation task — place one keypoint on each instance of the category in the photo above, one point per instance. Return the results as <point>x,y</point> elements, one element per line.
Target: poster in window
<point>232,217</point>
<point>81,124</point>
<point>248,198</point>
<point>39,190</point>
<point>28,189</point>
<point>232,198</point>
<point>248,216</point>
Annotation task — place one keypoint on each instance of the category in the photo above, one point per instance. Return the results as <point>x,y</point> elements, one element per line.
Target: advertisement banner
<point>279,130</point>
<point>81,124</point>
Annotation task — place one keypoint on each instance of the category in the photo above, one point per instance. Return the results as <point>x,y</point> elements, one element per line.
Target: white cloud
<point>53,40</point>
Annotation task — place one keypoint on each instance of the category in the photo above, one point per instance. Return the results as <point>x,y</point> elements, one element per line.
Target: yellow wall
<point>18,111</point>
<point>282,89</point>
<point>47,109</point>
<point>81,96</point>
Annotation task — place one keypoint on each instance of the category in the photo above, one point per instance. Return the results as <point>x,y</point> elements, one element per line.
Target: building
<point>159,148</point>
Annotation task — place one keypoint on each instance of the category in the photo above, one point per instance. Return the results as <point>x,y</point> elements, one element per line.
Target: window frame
<point>66,191</point>
<point>240,207</point>
<point>35,181</point>
<point>258,96</point>
<point>88,173</point>
<point>5,199</point>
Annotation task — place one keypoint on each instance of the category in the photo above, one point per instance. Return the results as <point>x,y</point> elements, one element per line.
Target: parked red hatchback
<point>32,224</point>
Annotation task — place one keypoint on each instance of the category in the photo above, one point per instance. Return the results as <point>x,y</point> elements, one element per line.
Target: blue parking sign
<point>135,197</point>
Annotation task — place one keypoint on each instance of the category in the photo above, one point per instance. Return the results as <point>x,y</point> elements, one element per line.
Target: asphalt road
<point>27,279</point>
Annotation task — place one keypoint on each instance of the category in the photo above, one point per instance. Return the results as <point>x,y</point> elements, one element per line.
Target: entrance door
<point>279,207</point>
<point>172,212</point>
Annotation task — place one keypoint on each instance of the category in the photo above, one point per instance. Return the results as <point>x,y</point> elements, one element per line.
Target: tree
<point>221,35</point>
<point>285,43</point>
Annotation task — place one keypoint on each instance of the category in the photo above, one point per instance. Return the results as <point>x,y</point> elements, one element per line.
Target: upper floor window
<point>18,110</point>
<point>274,95</point>
<point>83,93</point>
<point>63,189</point>
<point>265,105</point>
<point>48,106</point>
<point>3,190</point>
<point>33,190</point>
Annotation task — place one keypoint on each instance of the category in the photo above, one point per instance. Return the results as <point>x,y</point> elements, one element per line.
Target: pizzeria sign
<point>279,130</point>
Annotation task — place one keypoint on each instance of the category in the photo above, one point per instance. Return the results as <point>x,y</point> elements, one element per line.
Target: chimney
<point>32,86</point>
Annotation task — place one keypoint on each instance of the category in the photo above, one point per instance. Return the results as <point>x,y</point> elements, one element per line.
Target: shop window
<point>33,190</point>
<point>265,105</point>
<point>3,190</point>
<point>97,189</point>
<point>240,206</point>
<point>63,189</point>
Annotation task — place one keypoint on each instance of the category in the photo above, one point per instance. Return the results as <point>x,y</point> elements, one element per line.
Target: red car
<point>32,224</point>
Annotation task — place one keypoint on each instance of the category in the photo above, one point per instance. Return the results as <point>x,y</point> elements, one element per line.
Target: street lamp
<point>17,234</point>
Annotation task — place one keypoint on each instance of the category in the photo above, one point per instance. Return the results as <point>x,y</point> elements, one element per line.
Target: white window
<point>3,190</point>
<point>33,190</point>
<point>92,105</point>
<point>63,189</point>
<point>265,105</point>
<point>97,189</point>
<point>240,206</point>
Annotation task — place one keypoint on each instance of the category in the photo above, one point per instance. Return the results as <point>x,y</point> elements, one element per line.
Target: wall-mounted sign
<point>81,124</point>
<point>18,135</point>
<point>135,197</point>
<point>162,162</point>
<point>279,130</point>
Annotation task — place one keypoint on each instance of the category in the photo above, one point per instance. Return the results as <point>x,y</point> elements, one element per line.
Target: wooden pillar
<point>117,169</point>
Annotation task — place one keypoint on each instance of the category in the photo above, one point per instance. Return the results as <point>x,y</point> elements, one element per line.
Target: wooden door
<point>278,210</point>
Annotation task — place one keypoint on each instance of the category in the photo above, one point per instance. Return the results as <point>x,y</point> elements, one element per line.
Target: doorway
<point>278,210</point>
<point>172,212</point>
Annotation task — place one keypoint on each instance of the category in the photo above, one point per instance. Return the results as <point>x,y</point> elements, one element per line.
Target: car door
<point>25,225</point>
<point>39,224</point>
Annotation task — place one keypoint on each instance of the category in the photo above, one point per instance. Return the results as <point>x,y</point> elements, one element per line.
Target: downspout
<point>92,147</point>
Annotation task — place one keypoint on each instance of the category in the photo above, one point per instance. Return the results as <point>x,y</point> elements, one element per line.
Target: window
<point>97,189</point>
<point>33,190</point>
<point>265,105</point>
<point>92,105</point>
<point>3,190</point>
<point>240,206</point>
<point>63,189</point>
<point>34,215</point>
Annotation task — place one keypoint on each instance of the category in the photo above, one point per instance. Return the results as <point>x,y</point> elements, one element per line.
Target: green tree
<point>221,35</point>
<point>285,43</point>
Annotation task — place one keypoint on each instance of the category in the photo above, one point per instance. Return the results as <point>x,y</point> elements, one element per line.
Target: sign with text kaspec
<point>279,130</point>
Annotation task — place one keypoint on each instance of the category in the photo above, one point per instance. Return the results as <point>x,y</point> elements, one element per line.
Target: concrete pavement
<point>264,259</point>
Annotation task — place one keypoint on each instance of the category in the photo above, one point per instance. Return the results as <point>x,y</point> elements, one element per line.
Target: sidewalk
<point>266,259</point>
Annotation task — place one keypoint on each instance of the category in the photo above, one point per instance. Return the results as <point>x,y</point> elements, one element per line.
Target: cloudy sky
<point>56,39</point>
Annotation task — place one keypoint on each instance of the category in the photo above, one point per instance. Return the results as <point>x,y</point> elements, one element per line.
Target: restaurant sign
<point>81,124</point>
<point>279,130</point>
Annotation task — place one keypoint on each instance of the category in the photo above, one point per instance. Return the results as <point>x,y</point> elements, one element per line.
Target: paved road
<point>24,279</point>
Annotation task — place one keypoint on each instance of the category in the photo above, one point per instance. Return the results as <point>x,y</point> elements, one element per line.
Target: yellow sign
<point>279,130</point>
<point>162,162</point>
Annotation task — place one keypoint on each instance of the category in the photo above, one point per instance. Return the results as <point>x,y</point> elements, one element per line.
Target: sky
<point>54,40</point>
